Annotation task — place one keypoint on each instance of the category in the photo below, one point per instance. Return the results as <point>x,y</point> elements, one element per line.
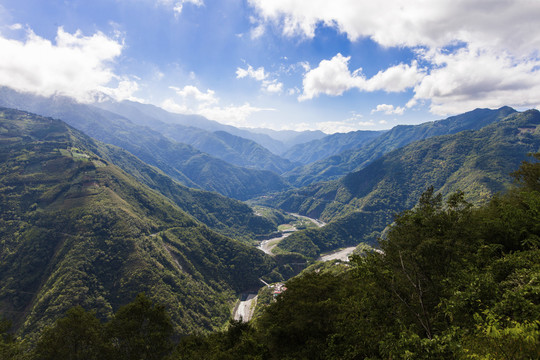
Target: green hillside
<point>355,159</point>
<point>330,145</point>
<point>477,162</point>
<point>451,282</point>
<point>182,162</point>
<point>77,230</point>
<point>227,216</point>
<point>221,144</point>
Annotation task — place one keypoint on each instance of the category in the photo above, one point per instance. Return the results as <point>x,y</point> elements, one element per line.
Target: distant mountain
<point>327,146</point>
<point>224,215</point>
<point>77,230</point>
<point>478,163</point>
<point>182,162</point>
<point>218,143</point>
<point>289,138</point>
<point>199,122</point>
<point>355,159</point>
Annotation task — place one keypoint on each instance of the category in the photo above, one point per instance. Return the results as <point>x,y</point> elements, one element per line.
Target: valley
<point>86,223</point>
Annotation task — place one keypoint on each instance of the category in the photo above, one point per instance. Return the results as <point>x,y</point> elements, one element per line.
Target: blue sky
<point>336,65</point>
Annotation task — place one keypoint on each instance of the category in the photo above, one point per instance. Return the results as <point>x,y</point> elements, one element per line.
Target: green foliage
<point>77,230</point>
<point>79,335</point>
<point>140,330</point>
<point>350,230</point>
<point>478,163</point>
<point>352,160</point>
<point>448,283</point>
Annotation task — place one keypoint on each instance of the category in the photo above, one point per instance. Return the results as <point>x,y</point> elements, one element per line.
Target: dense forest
<point>450,281</point>
<point>360,205</point>
<point>75,229</point>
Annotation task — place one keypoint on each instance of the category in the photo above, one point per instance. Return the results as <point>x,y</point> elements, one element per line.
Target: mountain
<point>225,215</point>
<point>219,143</point>
<point>77,230</point>
<point>327,146</point>
<point>289,138</point>
<point>196,121</point>
<point>478,163</point>
<point>182,162</point>
<point>399,136</point>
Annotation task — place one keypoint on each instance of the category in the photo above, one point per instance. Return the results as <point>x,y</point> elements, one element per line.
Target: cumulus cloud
<point>389,109</point>
<point>267,84</point>
<point>470,78</point>
<point>191,100</point>
<point>257,74</point>
<point>333,77</point>
<point>75,65</point>
<point>476,53</point>
<point>412,23</point>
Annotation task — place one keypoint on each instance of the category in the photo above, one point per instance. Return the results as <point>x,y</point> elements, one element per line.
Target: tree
<point>77,336</point>
<point>141,330</point>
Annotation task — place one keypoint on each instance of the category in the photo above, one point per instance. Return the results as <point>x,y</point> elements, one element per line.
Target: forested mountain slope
<point>451,282</point>
<point>330,145</point>
<point>77,230</point>
<point>477,162</point>
<point>180,161</point>
<point>219,143</point>
<point>352,160</point>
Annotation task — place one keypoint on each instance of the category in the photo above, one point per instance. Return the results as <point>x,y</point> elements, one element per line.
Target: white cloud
<point>15,27</point>
<point>273,86</point>
<point>333,77</point>
<point>178,5</point>
<point>470,78</point>
<point>389,109</point>
<point>268,85</point>
<point>505,24</point>
<point>257,31</point>
<point>194,101</point>
<point>257,74</point>
<point>475,53</point>
<point>191,95</point>
<point>75,65</point>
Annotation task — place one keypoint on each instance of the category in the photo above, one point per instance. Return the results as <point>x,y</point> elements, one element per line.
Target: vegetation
<point>352,160</point>
<point>330,145</point>
<point>181,162</point>
<point>452,282</point>
<point>77,230</point>
<point>477,162</point>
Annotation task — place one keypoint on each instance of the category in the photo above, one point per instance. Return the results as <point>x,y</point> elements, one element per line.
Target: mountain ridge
<point>355,159</point>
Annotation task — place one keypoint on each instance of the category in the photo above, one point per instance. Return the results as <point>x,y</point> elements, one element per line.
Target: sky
<point>335,66</point>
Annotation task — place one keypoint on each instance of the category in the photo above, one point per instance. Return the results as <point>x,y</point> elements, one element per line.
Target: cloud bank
<point>477,53</point>
<point>75,65</point>
<point>191,100</point>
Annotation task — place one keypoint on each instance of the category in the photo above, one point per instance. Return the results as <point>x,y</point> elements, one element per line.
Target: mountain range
<point>477,162</point>
<point>78,230</point>
<point>180,161</point>
<point>107,200</point>
<point>355,159</point>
